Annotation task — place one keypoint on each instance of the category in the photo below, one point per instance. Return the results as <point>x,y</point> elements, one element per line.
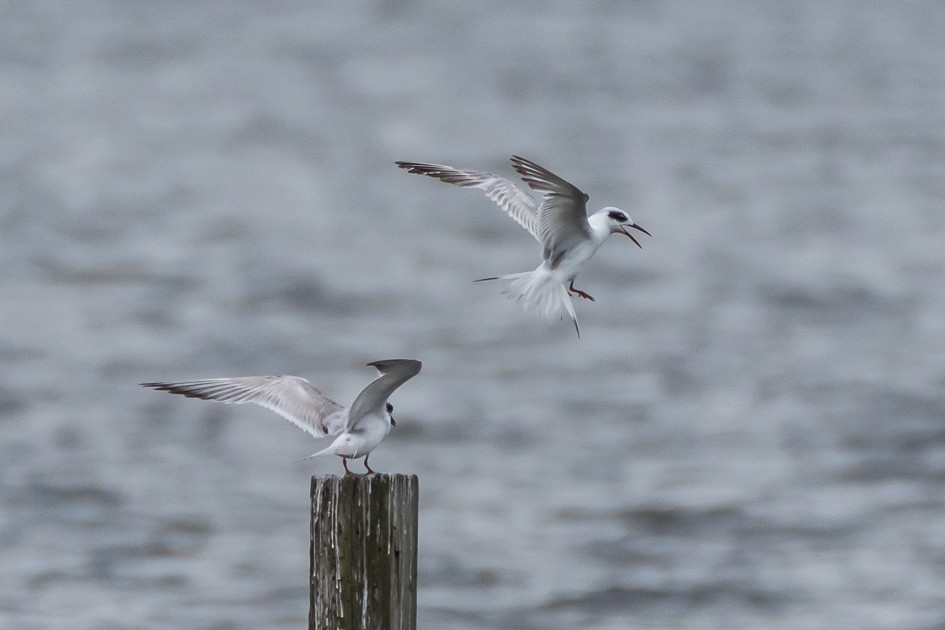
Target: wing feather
<point>292,397</point>
<point>562,216</point>
<point>505,193</point>
<point>394,373</point>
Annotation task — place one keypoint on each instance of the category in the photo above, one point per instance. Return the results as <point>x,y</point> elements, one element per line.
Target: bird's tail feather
<point>540,293</point>
<point>324,451</point>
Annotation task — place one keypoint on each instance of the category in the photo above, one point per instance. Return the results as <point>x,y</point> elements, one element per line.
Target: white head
<point>618,221</point>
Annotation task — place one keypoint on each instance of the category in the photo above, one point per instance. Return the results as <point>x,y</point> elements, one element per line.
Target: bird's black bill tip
<point>393,422</point>
<point>641,228</point>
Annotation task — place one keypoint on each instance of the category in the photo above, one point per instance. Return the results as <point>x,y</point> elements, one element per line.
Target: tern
<point>559,221</point>
<point>357,429</point>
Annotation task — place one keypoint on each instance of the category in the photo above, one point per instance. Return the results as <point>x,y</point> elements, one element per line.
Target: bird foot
<point>583,294</point>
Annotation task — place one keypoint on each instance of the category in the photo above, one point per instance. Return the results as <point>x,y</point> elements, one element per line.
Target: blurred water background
<point>749,434</point>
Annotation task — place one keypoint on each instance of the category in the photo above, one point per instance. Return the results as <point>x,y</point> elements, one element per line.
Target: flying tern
<point>357,429</point>
<point>559,221</point>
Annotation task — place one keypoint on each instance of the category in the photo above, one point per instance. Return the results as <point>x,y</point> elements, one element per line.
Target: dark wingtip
<point>383,364</point>
<point>177,388</point>
<point>415,167</point>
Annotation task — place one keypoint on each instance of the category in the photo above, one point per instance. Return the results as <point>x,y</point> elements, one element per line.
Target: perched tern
<point>568,237</point>
<point>357,429</point>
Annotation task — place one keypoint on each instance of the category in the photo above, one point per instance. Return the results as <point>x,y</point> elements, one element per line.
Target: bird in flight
<point>357,429</point>
<point>559,222</point>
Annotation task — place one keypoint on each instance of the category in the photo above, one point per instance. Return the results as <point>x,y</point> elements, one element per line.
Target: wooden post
<point>363,555</point>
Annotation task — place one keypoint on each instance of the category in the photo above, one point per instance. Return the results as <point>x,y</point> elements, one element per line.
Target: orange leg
<point>573,291</point>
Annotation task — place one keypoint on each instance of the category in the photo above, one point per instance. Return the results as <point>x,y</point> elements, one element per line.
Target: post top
<point>374,477</point>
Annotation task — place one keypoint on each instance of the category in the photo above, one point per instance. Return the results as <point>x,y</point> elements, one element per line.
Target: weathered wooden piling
<point>364,553</point>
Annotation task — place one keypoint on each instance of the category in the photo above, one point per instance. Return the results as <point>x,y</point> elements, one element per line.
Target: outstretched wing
<point>292,397</point>
<point>394,373</point>
<point>562,216</point>
<point>505,193</point>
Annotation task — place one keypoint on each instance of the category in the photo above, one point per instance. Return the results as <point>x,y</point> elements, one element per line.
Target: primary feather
<point>506,194</point>
<point>292,397</point>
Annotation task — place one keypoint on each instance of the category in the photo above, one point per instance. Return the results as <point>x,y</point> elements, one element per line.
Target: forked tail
<point>324,451</point>
<point>539,293</point>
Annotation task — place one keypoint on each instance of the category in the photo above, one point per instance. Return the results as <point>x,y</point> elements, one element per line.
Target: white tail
<point>539,292</point>
<point>325,451</point>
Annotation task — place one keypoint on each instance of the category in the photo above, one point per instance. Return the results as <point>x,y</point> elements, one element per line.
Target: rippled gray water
<point>749,434</point>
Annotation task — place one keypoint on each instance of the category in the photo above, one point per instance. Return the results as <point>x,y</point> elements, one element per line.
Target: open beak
<point>630,236</point>
<point>623,230</point>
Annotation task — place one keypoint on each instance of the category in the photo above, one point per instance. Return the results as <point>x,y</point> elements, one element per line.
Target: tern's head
<point>619,221</point>
<point>390,415</point>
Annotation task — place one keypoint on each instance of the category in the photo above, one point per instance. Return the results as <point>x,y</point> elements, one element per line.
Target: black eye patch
<point>617,216</point>
<point>390,408</point>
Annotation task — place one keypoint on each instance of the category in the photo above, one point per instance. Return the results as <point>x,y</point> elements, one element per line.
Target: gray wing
<point>505,193</point>
<point>292,397</point>
<point>394,373</point>
<point>562,216</point>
